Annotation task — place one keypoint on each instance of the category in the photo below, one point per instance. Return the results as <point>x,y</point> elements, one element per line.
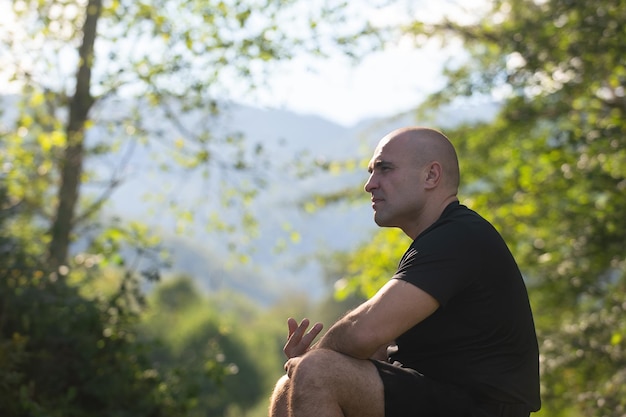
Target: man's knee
<point>279,403</point>
<point>317,364</point>
<point>282,385</point>
<point>339,381</point>
<point>325,370</point>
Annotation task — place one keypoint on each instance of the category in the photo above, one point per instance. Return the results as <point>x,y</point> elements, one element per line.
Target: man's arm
<point>393,310</point>
<point>381,354</point>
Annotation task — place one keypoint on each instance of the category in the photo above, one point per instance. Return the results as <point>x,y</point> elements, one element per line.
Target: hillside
<point>151,185</point>
<point>284,136</point>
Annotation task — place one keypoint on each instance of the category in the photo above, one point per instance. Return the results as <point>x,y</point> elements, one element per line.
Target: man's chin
<point>381,221</point>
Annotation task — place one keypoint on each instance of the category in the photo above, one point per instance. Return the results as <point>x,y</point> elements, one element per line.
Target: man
<point>455,315</point>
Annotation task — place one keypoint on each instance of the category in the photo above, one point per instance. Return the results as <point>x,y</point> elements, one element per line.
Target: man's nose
<point>370,184</point>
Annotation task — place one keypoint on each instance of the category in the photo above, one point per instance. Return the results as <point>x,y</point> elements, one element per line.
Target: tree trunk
<point>72,162</point>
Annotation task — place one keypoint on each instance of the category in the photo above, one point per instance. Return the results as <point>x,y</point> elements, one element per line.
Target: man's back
<point>482,337</point>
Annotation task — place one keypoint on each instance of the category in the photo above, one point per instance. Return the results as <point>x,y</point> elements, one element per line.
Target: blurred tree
<point>202,352</point>
<point>550,173</point>
<point>64,354</point>
<point>105,77</point>
<point>99,79</point>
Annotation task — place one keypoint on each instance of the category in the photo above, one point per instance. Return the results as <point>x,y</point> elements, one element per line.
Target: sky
<point>385,83</point>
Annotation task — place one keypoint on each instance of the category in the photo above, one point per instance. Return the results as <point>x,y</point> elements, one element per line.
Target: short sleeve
<point>437,263</point>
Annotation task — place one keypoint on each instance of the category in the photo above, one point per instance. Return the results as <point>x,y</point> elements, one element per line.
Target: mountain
<point>159,193</point>
<point>284,136</point>
<point>204,254</point>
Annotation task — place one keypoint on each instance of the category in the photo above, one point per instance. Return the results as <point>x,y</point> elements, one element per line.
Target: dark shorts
<point>410,394</point>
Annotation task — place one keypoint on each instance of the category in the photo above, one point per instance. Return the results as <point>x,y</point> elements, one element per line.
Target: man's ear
<point>433,175</point>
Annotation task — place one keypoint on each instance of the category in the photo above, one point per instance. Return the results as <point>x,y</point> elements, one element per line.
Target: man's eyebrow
<point>379,163</point>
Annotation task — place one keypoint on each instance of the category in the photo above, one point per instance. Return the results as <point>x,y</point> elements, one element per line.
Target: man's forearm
<point>344,337</point>
<point>381,353</point>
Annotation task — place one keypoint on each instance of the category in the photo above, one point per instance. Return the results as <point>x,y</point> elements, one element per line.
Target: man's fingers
<point>299,342</point>
<point>293,346</point>
<point>297,334</point>
<point>292,324</point>
<point>307,339</point>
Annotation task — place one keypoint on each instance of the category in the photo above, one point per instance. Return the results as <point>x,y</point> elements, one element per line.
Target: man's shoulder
<point>459,215</point>
<point>459,228</point>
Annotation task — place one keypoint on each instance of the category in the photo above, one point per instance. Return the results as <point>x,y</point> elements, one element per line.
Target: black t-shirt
<point>482,337</point>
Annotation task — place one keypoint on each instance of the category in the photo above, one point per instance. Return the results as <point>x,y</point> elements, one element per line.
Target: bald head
<point>414,176</point>
<point>427,145</point>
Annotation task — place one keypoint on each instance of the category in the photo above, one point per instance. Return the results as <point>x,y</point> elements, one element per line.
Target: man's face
<point>394,183</point>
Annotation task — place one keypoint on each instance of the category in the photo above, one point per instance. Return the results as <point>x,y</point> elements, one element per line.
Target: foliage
<point>372,264</point>
<point>98,82</point>
<point>62,354</point>
<point>103,80</point>
<point>78,347</point>
<point>201,349</point>
<point>550,173</point>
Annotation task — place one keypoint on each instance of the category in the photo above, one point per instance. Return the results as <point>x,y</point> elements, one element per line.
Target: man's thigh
<point>330,383</point>
<point>410,394</point>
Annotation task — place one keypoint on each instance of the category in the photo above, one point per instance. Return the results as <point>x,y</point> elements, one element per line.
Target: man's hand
<point>299,342</point>
<point>290,365</point>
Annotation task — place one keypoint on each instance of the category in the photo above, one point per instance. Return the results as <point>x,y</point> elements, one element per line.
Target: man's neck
<point>430,215</point>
